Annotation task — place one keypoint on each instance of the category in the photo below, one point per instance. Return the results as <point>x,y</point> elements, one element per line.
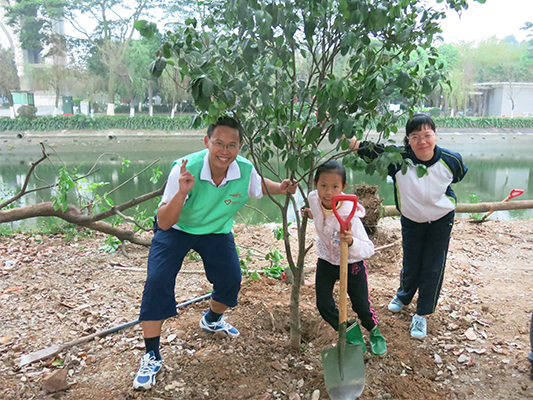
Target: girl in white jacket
<point>330,180</point>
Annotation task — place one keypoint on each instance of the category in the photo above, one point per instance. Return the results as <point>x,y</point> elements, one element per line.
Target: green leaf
<point>229,97</point>
<point>57,362</point>
<point>312,134</point>
<point>279,139</point>
<point>403,80</point>
<point>421,170</point>
<point>255,275</point>
<point>191,21</point>
<point>145,28</point>
<point>207,87</point>
<point>309,30</point>
<point>156,73</point>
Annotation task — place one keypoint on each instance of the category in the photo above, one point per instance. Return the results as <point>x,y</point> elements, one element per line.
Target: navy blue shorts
<point>221,264</point>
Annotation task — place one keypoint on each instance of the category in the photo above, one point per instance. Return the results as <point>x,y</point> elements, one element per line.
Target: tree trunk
<point>150,100</point>
<point>391,211</point>
<point>56,108</point>
<point>295,325</point>
<point>72,215</point>
<point>111,93</point>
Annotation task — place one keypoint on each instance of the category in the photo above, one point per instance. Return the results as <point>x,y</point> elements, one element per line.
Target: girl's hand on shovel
<point>347,235</point>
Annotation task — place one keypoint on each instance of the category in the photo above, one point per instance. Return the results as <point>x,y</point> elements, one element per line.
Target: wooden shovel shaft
<point>514,193</point>
<point>343,284</point>
<point>343,306</point>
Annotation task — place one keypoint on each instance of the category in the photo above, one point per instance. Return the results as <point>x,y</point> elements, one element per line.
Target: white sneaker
<point>395,305</point>
<point>145,377</point>
<point>418,327</point>
<point>219,326</point>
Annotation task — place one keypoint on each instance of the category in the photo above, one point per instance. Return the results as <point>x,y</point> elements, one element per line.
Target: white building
<point>506,99</point>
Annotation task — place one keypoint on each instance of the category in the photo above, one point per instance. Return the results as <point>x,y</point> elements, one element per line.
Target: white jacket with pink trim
<point>327,228</point>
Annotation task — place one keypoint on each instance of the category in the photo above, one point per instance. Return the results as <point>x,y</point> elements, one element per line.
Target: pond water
<point>497,163</point>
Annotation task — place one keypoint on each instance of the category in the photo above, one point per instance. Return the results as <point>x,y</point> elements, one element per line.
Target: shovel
<point>514,193</point>
<point>344,367</point>
<point>53,350</point>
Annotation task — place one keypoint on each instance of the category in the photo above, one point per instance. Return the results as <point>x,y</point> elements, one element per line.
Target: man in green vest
<point>204,191</point>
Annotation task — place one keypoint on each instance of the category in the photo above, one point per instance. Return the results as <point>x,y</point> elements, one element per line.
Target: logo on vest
<point>232,201</point>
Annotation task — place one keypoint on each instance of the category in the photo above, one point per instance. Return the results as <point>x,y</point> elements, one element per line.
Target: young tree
<point>244,58</point>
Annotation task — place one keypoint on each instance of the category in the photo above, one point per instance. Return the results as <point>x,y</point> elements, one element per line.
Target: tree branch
<point>23,191</point>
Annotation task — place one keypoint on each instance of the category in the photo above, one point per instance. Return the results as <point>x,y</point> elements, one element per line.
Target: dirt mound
<point>367,195</point>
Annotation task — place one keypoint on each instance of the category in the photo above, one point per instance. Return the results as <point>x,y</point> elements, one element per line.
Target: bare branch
<point>134,176</point>
<point>23,191</point>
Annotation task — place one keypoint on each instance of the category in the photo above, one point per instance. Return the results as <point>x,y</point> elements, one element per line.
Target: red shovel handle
<point>515,193</point>
<point>344,197</point>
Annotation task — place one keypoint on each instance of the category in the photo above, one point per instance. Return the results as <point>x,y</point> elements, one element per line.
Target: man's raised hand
<point>186,179</point>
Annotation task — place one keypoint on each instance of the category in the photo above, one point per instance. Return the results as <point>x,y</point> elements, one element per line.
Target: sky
<point>499,18</point>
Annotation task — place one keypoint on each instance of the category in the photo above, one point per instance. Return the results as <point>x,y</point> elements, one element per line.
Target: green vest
<point>210,209</point>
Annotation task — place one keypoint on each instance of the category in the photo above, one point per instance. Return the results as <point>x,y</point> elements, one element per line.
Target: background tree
<point>174,90</point>
<point>53,75</point>
<point>9,80</point>
<point>34,21</point>
<point>243,56</point>
<point>135,76</point>
<point>112,35</point>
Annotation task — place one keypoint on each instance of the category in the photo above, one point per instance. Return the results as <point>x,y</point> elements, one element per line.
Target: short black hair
<point>331,166</point>
<point>416,124</point>
<point>226,121</point>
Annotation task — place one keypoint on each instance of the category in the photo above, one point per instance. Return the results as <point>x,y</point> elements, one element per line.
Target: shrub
<point>28,112</point>
<point>435,112</point>
<point>84,122</point>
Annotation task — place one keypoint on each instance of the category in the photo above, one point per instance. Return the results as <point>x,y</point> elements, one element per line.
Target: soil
<point>58,288</point>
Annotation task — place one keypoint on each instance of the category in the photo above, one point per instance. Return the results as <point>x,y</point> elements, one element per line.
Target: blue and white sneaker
<point>418,327</point>
<point>219,326</point>
<point>395,305</point>
<point>145,377</point>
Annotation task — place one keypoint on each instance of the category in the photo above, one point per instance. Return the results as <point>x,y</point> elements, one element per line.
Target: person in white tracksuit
<point>427,207</point>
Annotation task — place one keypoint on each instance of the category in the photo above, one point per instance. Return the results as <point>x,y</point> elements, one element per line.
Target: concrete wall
<point>523,100</point>
<point>499,104</point>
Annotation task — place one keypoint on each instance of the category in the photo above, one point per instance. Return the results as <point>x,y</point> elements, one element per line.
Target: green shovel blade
<point>344,374</point>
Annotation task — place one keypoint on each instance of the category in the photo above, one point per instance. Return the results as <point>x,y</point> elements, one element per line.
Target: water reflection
<point>496,166</point>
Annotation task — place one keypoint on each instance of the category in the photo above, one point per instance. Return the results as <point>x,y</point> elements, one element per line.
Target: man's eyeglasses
<point>231,147</point>
<point>416,138</point>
